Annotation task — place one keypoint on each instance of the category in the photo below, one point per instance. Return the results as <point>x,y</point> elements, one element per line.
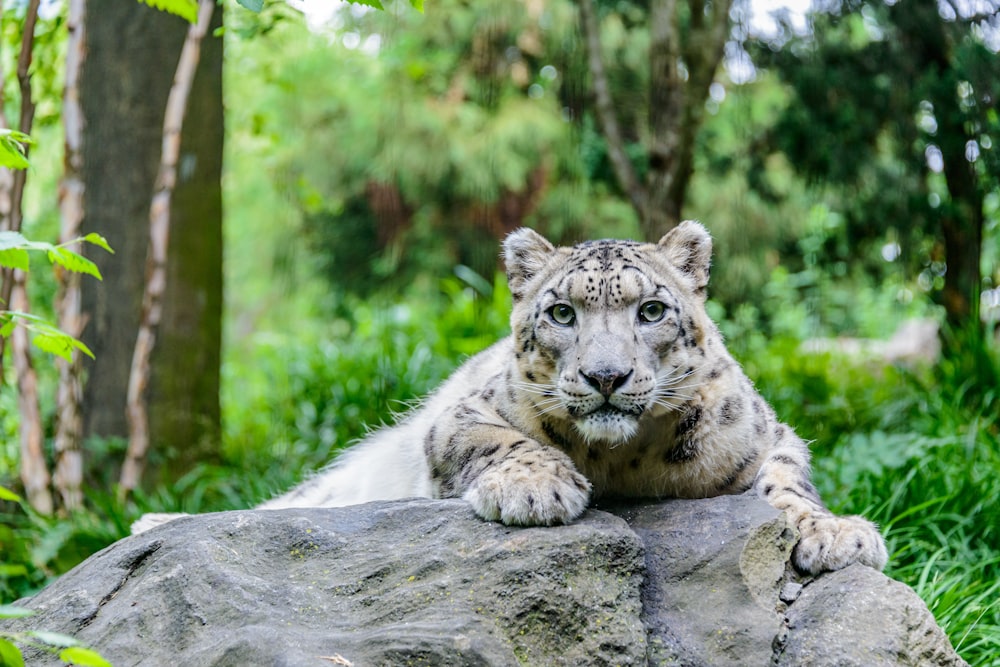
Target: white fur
<point>390,463</point>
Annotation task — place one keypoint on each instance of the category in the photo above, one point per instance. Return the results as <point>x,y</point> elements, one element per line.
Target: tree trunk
<point>34,469</point>
<point>962,220</point>
<point>682,66</point>
<point>184,410</point>
<point>68,477</point>
<point>962,216</point>
<point>156,260</point>
<point>132,54</point>
<point>606,115</point>
<point>677,101</point>
<point>13,208</point>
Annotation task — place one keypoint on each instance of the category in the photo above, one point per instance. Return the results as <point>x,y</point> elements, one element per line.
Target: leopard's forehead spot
<point>606,254</point>
<point>607,273</point>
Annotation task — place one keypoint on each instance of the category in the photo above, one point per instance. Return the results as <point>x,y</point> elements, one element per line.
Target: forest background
<point>344,186</point>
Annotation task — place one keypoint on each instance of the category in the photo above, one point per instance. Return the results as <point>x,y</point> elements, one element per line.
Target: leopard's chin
<point>607,425</point>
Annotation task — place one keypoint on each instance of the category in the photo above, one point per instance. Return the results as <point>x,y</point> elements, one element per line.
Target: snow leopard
<point>614,383</point>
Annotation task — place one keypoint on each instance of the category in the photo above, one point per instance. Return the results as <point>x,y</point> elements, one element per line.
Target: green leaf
<point>10,571</point>
<point>10,655</point>
<point>56,639</point>
<point>79,344</point>
<point>370,3</point>
<point>186,9</point>
<point>52,340</point>
<point>46,337</point>
<point>60,346</point>
<point>10,611</point>
<point>12,149</point>
<point>14,258</point>
<point>83,657</point>
<point>98,240</point>
<point>5,493</point>
<point>73,262</point>
<point>14,252</point>
<point>252,5</point>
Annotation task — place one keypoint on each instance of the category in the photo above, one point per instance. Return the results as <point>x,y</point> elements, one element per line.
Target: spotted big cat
<point>614,382</point>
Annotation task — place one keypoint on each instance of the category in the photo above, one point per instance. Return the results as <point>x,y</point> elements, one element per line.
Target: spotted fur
<point>613,383</point>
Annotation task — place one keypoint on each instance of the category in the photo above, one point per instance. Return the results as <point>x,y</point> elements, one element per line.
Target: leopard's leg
<point>504,474</point>
<point>827,542</point>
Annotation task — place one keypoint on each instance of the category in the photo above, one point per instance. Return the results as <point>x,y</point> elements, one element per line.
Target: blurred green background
<point>373,163</point>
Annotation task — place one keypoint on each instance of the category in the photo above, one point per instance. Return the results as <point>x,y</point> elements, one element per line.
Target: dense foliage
<point>896,109</point>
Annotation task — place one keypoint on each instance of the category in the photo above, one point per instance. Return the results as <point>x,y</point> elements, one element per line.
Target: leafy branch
<point>46,338</point>
<point>14,253</point>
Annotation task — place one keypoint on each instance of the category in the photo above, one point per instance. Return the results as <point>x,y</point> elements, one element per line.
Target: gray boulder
<point>425,582</point>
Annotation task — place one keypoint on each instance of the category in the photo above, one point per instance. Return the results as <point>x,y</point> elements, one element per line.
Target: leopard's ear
<point>688,247</point>
<point>525,252</point>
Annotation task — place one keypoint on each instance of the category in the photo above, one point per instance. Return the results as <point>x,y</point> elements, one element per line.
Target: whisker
<point>544,390</point>
<point>670,380</point>
<point>670,396</point>
<point>669,406</point>
<point>547,405</point>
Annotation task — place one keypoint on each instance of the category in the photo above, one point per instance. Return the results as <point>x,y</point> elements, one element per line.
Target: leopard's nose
<point>606,380</point>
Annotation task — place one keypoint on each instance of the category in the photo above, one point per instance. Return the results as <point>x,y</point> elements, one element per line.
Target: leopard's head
<point>608,333</point>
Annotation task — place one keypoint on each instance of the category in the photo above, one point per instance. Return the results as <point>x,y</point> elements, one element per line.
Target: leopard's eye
<point>652,311</point>
<point>562,314</point>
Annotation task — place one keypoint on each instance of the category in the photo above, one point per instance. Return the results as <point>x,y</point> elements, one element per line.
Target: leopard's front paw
<point>529,493</point>
<point>834,542</point>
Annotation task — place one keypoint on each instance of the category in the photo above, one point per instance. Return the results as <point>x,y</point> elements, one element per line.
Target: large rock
<point>425,582</point>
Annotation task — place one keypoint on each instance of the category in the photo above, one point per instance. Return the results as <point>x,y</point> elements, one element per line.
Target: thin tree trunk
<point>14,218</point>
<point>69,427</point>
<point>34,471</point>
<point>6,201</point>
<point>156,267</point>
